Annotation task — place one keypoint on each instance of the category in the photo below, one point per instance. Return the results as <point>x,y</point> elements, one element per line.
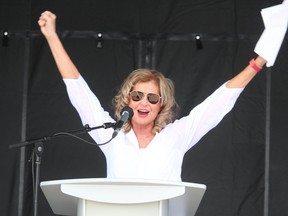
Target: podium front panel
<point>92,208</point>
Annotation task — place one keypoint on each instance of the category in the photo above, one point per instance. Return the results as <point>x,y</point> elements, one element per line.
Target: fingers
<point>41,23</point>
<point>48,14</point>
<point>45,17</point>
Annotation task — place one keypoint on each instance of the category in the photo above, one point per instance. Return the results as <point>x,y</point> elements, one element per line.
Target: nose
<point>144,101</point>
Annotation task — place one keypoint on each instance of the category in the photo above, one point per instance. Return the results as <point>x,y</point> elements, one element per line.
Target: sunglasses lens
<point>136,95</point>
<point>153,98</point>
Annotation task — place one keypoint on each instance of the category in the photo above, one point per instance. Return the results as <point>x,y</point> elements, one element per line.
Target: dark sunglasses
<point>151,97</point>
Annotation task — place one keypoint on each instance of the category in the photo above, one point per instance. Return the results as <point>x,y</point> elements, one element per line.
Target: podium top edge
<point>120,181</point>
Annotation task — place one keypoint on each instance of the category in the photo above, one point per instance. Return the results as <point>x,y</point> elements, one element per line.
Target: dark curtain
<point>242,161</point>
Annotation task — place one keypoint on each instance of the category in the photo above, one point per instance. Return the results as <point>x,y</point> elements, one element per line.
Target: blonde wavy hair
<point>169,105</point>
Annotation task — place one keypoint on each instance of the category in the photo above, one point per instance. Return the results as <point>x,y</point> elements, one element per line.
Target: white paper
<point>275,20</point>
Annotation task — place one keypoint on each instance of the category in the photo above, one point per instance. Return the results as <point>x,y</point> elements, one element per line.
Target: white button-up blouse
<point>162,158</point>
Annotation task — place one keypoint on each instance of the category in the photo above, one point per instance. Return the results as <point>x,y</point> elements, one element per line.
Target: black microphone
<point>127,113</point>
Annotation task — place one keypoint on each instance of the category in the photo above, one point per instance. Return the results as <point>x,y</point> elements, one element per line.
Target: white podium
<point>122,197</point>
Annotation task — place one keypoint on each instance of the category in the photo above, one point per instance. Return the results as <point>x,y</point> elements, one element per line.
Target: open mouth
<point>143,112</point>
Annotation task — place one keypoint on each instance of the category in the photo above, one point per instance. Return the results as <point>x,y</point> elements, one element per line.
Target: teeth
<point>143,111</point>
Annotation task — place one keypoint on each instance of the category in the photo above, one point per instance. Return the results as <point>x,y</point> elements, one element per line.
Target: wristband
<point>254,66</point>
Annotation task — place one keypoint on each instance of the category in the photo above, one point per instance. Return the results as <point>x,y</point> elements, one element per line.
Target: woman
<point>151,145</point>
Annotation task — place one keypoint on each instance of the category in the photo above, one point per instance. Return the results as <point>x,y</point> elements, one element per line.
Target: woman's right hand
<point>47,23</point>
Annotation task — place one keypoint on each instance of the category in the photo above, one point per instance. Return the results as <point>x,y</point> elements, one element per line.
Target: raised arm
<point>246,75</point>
<point>47,23</point>
<point>276,22</point>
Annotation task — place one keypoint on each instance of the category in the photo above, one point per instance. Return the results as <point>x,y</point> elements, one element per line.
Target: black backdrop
<point>242,161</point>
